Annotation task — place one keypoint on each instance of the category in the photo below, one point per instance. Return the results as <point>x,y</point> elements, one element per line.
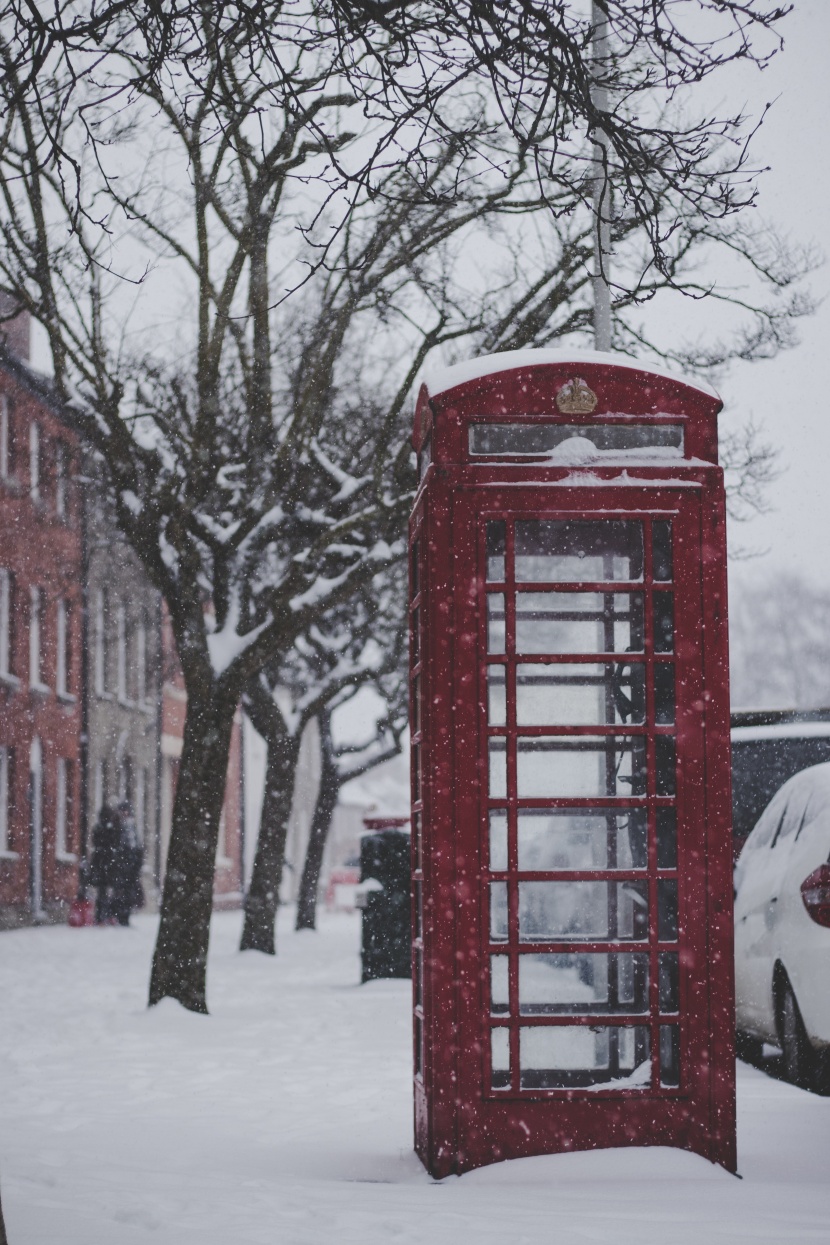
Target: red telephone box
<point>572,914</point>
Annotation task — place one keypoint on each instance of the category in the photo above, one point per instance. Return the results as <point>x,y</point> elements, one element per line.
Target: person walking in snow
<point>127,893</point>
<point>102,865</point>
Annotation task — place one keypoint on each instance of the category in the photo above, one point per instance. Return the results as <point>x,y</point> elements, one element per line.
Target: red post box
<point>572,885</point>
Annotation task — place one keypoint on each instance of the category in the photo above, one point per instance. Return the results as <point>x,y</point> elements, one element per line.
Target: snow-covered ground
<point>285,1118</point>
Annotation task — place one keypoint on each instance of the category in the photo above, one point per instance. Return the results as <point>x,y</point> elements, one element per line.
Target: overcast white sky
<point>790,395</point>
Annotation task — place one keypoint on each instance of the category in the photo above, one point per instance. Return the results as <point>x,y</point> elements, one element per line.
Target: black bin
<point>386,949</point>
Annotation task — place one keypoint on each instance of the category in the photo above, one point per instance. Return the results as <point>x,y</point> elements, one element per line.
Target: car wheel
<point>799,1057</point>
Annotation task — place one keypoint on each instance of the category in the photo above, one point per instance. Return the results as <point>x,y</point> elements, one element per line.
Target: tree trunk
<point>327,794</point>
<point>180,957</point>
<point>4,1240</point>
<point>262,899</point>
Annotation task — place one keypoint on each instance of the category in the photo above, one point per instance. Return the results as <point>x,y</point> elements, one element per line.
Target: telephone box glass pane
<point>496,544</point>
<point>583,911</point>
<point>667,910</point>
<point>419,1046</point>
<point>419,977</point>
<point>498,840</point>
<point>418,830</point>
<point>495,622</point>
<point>661,551</point>
<point>500,1058</point>
<point>496,700</point>
<point>498,769</point>
<point>669,1056</point>
<point>578,551</point>
<point>415,636</point>
<point>499,984</point>
<point>591,981</point>
<point>664,695</point>
<point>567,1056</point>
<point>416,705</point>
<point>508,439</point>
<point>565,838</point>
<point>581,767</point>
<point>665,752</point>
<point>498,911</point>
<point>666,838</point>
<point>562,694</point>
<point>418,901</point>
<point>669,982</point>
<point>663,622</point>
<point>579,622</point>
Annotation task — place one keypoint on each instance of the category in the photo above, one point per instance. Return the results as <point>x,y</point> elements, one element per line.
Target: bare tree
<point>339,764</point>
<point>236,175</point>
<point>408,63</point>
<point>347,648</point>
<point>779,642</point>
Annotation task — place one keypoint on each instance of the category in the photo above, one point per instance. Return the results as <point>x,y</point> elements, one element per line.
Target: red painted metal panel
<point>679,945</point>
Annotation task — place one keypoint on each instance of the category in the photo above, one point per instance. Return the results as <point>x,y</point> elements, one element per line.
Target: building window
<point>5,432</point>
<point>61,479</point>
<point>35,638</point>
<point>222,843</point>
<point>99,789</point>
<point>141,662</point>
<point>5,802</point>
<point>125,780</point>
<point>101,642</point>
<point>6,608</point>
<point>121,622</point>
<point>63,652</point>
<point>34,461</point>
<point>63,807</point>
<point>141,789</point>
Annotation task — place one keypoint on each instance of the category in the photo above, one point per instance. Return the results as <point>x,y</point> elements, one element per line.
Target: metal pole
<point>601,193</point>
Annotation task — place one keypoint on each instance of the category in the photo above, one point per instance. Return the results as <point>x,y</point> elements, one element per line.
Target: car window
<point>791,819</point>
<point>767,826</point>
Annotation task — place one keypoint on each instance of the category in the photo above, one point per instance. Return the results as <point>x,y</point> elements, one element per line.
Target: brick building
<point>40,648</point>
<point>123,684</point>
<point>92,700</point>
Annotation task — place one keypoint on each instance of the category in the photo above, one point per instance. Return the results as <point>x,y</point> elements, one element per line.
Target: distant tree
<point>352,646</point>
<point>340,763</point>
<point>214,210</point>
<point>780,641</point>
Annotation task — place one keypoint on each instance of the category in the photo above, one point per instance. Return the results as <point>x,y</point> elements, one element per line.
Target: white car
<point>782,929</point>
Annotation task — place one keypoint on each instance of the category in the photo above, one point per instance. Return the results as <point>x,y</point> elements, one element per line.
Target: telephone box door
<point>586,1015</point>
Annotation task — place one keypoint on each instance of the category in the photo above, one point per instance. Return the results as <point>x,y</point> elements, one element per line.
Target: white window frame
<point>5,803</point>
<point>121,624</point>
<point>99,787</point>
<point>101,642</point>
<point>5,622</point>
<point>141,786</point>
<point>35,636</point>
<point>222,857</point>
<point>63,806</point>
<point>4,436</point>
<point>34,460</point>
<point>61,464</point>
<point>62,649</point>
<point>141,661</point>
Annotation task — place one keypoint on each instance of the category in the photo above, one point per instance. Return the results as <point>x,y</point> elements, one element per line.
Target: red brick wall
<point>40,549</point>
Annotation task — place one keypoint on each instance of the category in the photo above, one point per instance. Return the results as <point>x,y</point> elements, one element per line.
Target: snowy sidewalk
<point>285,1118</point>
